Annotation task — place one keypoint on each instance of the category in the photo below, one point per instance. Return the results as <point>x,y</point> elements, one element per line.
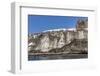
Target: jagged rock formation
<point>69,41</point>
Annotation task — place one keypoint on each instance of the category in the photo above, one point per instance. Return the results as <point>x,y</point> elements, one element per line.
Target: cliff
<point>61,40</point>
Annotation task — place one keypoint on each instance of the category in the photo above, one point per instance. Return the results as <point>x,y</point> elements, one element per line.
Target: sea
<point>56,57</point>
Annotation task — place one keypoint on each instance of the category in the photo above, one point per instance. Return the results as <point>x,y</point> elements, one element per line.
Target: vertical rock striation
<point>62,40</point>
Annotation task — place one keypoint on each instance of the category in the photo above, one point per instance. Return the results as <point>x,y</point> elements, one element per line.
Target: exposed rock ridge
<point>71,41</point>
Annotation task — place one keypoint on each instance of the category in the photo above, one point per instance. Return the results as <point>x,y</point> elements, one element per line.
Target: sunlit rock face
<point>43,44</point>
<point>60,40</point>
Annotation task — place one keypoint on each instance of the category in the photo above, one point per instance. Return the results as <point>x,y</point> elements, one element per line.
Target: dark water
<point>54,57</point>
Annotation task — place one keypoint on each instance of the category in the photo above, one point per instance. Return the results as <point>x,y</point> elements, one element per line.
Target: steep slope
<point>60,40</point>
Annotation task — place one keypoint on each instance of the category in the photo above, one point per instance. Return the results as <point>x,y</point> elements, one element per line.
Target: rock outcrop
<point>69,41</point>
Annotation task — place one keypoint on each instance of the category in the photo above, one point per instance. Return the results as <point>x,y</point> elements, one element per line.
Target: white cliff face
<point>80,35</point>
<point>57,38</point>
<point>44,44</point>
<point>69,37</point>
<point>54,43</point>
<point>52,40</point>
<point>61,41</point>
<point>31,44</point>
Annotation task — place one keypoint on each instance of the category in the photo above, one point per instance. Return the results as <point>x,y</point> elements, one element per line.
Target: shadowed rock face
<point>70,41</point>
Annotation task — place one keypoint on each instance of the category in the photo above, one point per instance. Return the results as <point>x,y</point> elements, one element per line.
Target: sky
<point>39,23</point>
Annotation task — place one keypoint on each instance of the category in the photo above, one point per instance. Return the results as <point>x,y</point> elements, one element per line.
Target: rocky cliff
<point>62,40</point>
